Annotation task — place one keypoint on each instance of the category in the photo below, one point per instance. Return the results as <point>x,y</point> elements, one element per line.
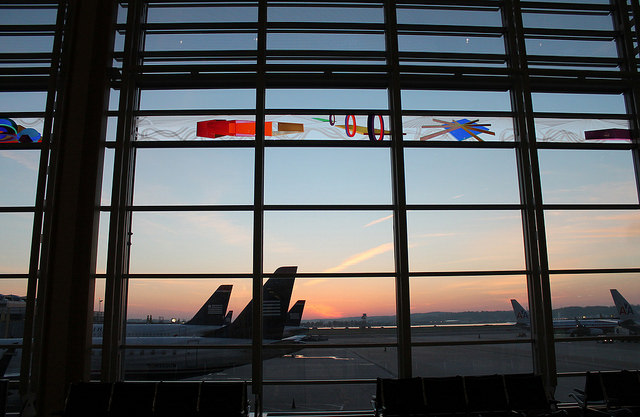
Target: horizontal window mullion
<point>183,208</point>
<point>466,207</point>
<point>328,207</point>
<point>594,271</point>
<point>440,274</point>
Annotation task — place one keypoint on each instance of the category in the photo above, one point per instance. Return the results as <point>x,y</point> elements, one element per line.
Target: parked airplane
<point>181,357</point>
<point>294,316</point>
<point>175,357</point>
<point>210,316</point>
<point>628,318</point>
<point>575,327</point>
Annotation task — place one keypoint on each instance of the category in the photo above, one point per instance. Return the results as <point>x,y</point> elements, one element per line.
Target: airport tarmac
<point>344,363</point>
<point>499,349</point>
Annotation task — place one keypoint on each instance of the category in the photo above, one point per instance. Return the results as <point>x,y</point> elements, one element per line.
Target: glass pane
<point>578,103</point>
<point>456,100</point>
<point>18,177</point>
<point>103,243</point>
<point>566,47</point>
<point>197,99</point>
<point>22,101</point>
<point>191,242</point>
<point>200,41</point>
<point>333,305</point>
<point>451,44</point>
<point>461,176</point>
<point>580,356</point>
<point>218,127</point>
<point>458,128</point>
<point>472,359</point>
<point>318,13</point>
<point>201,13</point>
<point>329,241</point>
<point>194,176</point>
<point>327,176</point>
<point>327,99</point>
<point>465,240</point>
<point>313,41</point>
<point>15,239</point>
<point>582,130</point>
<point>582,20</point>
<point>340,363</point>
<point>329,127</point>
<point>588,177</point>
<point>13,307</point>
<point>174,302</point>
<point>29,16</point>
<point>107,177</point>
<point>309,398</point>
<point>436,15</point>
<point>593,239</point>
<point>25,43</point>
<point>465,308</point>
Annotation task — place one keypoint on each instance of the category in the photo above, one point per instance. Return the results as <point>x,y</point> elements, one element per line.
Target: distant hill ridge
<point>469,317</point>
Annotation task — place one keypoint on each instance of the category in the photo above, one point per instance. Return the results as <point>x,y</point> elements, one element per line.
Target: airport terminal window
<point>423,148</point>
<point>209,182</point>
<point>27,59</point>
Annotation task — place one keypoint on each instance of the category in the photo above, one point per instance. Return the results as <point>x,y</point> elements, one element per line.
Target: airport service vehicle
<point>575,327</point>
<point>628,318</point>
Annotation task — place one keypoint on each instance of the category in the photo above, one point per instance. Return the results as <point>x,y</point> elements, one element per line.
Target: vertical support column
<point>27,384</point>
<point>66,290</point>
<point>538,284</point>
<point>258,209</point>
<point>624,15</point>
<point>116,287</point>
<point>403,311</point>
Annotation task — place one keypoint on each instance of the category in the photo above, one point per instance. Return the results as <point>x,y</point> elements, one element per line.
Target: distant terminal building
<point>12,313</point>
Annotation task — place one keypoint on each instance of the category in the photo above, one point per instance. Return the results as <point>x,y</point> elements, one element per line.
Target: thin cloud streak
<point>361,257</point>
<point>378,220</point>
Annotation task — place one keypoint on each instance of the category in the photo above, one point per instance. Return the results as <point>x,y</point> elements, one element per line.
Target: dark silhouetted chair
<point>591,397</point>
<point>486,395</point>
<point>621,392</point>
<point>401,397</point>
<point>528,397</point>
<point>227,399</point>
<point>87,398</point>
<point>177,399</point>
<point>132,399</point>
<point>445,396</point>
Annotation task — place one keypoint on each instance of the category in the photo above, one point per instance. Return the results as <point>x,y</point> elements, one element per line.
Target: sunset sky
<point>346,241</point>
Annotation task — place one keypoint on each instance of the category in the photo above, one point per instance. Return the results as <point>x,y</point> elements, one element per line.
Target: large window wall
<point>29,63</point>
<point>421,164</point>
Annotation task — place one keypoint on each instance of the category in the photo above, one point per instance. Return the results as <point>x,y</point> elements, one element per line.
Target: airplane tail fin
<point>227,318</point>
<point>276,295</point>
<point>522,317</point>
<point>295,314</point>
<point>212,313</point>
<point>622,306</point>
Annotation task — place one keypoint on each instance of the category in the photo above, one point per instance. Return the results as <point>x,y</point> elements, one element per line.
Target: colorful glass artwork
<point>608,134</point>
<point>351,127</point>
<point>460,129</point>
<point>243,128</point>
<point>11,132</point>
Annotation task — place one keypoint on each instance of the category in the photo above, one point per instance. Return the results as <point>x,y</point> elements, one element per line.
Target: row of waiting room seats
<point>487,395</point>
<point>613,393</point>
<point>157,399</point>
